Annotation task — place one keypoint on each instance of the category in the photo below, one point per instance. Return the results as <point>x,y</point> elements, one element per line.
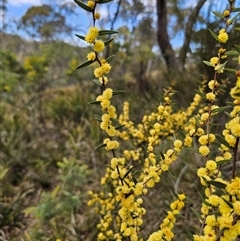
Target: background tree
<point>44,22</point>
<point>165,45</point>
<point>3,10</point>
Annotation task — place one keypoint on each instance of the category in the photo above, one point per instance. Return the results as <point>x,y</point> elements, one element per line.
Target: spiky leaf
<point>108,41</point>
<point>237,46</point>
<point>83,6</point>
<point>197,214</point>
<point>233,19</point>
<point>222,140</point>
<point>96,81</point>
<point>110,58</point>
<point>220,109</point>
<point>100,146</point>
<point>221,67</point>
<point>98,119</point>
<point>207,63</point>
<point>236,10</point>
<point>232,71</point>
<point>119,92</point>
<point>94,102</point>
<point>162,156</point>
<point>217,184</point>
<point>119,127</point>
<point>232,52</point>
<point>218,14</point>
<point>80,36</point>
<point>126,174</point>
<point>195,150</point>
<point>228,203</point>
<point>190,235</point>
<point>224,162</point>
<point>213,34</point>
<point>104,1</point>
<point>201,93</point>
<point>85,64</point>
<point>203,199</point>
<point>106,32</point>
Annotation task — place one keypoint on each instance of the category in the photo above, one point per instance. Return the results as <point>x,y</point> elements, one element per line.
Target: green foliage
<point>11,70</point>
<point>66,104</point>
<point>56,212</point>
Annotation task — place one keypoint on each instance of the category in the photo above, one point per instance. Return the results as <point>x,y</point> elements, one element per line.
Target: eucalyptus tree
<point>44,22</point>
<point>185,22</point>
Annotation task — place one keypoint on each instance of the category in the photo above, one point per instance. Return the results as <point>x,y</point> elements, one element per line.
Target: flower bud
<point>226,13</point>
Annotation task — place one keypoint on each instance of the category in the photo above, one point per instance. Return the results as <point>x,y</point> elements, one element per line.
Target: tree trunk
<point>163,38</point>
<point>172,62</point>
<point>188,31</point>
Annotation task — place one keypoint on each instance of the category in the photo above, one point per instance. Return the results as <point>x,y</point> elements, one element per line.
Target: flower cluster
<point>235,91</point>
<point>109,112</point>
<point>129,177</point>
<point>219,210</point>
<point>216,61</point>
<point>233,127</point>
<point>222,36</point>
<point>98,46</point>
<point>103,69</point>
<point>165,232</point>
<point>92,35</point>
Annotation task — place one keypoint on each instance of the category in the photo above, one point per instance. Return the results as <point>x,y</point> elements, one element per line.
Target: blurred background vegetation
<point>47,129</point>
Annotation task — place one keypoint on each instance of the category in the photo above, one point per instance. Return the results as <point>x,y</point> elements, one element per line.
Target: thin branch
<point>176,186</point>
<point>107,53</point>
<point>235,149</point>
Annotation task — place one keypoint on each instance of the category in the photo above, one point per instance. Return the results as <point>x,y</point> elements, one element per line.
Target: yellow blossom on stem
<point>107,93</point>
<point>105,103</point>
<point>226,13</point>
<point>97,15</point>
<point>202,172</point>
<point>231,140</point>
<point>103,80</point>
<point>236,207</point>
<point>234,126</point>
<point>91,56</point>
<point>214,61</point>
<point>92,35</point>
<point>106,67</point>
<point>91,4</point>
<point>223,36</point>
<point>111,131</point>
<point>211,220</point>
<point>221,51</point>
<point>177,143</point>
<point>99,46</point>
<point>188,141</point>
<point>204,117</point>
<point>203,140</point>
<point>233,188</point>
<point>211,165</point>
<point>204,150</point>
<point>112,112</point>
<point>210,96</point>
<point>98,72</point>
